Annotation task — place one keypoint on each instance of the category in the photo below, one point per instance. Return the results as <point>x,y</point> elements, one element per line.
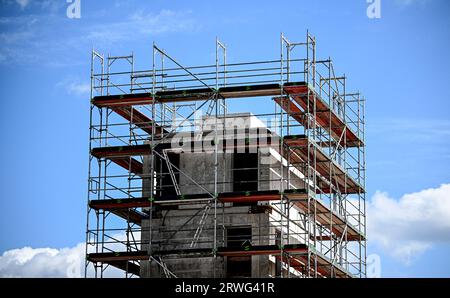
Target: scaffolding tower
<point>317,221</point>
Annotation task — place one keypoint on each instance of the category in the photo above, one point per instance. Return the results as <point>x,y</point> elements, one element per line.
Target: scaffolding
<point>315,204</point>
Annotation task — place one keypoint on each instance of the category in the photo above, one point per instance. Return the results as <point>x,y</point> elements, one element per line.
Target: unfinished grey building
<point>249,169</point>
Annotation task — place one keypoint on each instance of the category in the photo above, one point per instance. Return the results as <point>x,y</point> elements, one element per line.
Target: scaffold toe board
<point>130,215</point>
<point>295,194</point>
<point>328,168</point>
<point>328,218</point>
<point>324,267</point>
<point>249,196</point>
<point>247,250</point>
<point>106,257</point>
<point>139,119</point>
<point>250,90</point>
<point>115,204</point>
<point>327,118</point>
<point>123,208</point>
<point>122,100</point>
<point>129,164</point>
<point>121,151</point>
<point>181,95</point>
<point>226,197</point>
<point>298,256</point>
<point>251,250</point>
<point>292,110</point>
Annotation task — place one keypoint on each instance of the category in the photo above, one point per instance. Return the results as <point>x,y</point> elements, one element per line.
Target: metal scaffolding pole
<point>143,204</point>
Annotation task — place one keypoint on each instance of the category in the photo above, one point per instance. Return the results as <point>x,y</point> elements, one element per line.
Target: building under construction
<point>243,169</point>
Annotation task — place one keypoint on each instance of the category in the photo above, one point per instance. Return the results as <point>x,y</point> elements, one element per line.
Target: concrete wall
<point>175,229</point>
<point>169,221</point>
<point>200,168</point>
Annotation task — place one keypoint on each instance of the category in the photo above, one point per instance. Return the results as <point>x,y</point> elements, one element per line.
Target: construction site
<point>232,169</point>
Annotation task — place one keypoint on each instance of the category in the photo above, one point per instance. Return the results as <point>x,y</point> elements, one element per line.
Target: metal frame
<point>326,161</point>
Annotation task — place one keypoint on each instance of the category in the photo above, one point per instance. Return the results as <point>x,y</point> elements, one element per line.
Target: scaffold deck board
<point>121,151</point>
<point>250,90</point>
<point>228,197</point>
<point>226,141</point>
<point>328,169</point>
<point>115,204</point>
<point>129,164</point>
<point>299,197</point>
<point>139,119</point>
<point>326,117</point>
<point>328,218</point>
<point>298,256</point>
<point>261,250</point>
<point>324,267</point>
<point>221,251</point>
<point>122,100</point>
<point>131,215</point>
<point>292,109</point>
<point>250,196</point>
<point>186,95</point>
<point>117,256</point>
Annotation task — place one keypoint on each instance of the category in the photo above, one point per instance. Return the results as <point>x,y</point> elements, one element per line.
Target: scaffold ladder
<point>163,265</point>
<point>201,224</point>
<point>171,173</point>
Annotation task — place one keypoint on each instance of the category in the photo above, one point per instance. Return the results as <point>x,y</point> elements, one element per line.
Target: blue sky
<point>400,62</point>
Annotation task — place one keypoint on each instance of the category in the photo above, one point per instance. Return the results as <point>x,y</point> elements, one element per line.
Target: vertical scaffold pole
<point>282,207</point>
<point>152,155</point>
<point>216,159</point>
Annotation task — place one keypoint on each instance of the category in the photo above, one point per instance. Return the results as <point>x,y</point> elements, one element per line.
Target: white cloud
<point>73,86</point>
<point>79,88</point>
<point>53,262</point>
<point>405,3</point>
<point>31,39</point>
<point>48,5</point>
<point>407,227</point>
<point>23,3</point>
<point>424,129</point>
<point>43,262</point>
<point>142,24</point>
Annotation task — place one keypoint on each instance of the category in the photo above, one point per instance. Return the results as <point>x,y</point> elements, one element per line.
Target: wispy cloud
<point>78,88</point>
<point>411,129</point>
<point>407,227</point>
<point>141,24</point>
<point>74,86</point>
<point>406,3</point>
<point>39,4</point>
<point>31,39</point>
<point>23,3</point>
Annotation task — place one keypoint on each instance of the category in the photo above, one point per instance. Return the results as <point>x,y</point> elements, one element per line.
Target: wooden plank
<point>324,166</point>
<point>139,119</point>
<point>115,204</point>
<point>325,217</point>
<point>182,95</point>
<point>121,151</point>
<point>129,164</point>
<point>325,117</point>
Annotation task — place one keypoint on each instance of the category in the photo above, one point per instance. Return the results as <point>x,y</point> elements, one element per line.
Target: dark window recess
<point>245,172</point>
<point>164,184</point>
<point>239,266</point>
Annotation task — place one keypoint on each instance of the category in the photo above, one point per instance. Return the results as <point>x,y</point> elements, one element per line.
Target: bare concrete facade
<point>173,229</point>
